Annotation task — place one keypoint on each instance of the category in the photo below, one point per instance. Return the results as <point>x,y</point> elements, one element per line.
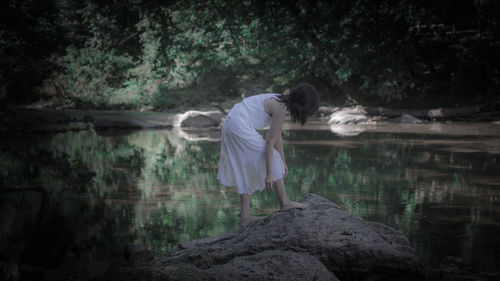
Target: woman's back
<point>251,111</point>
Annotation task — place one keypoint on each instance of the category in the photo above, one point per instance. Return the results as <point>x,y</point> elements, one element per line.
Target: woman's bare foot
<point>292,205</point>
<point>245,220</point>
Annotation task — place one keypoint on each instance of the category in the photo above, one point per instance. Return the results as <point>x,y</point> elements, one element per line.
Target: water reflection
<point>347,130</point>
<point>158,188</point>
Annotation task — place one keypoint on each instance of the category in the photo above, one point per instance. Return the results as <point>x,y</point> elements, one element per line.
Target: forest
<point>160,55</point>
<point>101,174</point>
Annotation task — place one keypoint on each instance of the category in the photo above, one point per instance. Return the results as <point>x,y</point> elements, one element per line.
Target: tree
<point>383,52</point>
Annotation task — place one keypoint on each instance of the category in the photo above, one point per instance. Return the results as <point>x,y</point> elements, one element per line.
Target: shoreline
<point>25,115</point>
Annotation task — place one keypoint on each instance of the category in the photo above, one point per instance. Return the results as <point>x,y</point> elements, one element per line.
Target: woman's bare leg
<point>245,217</point>
<point>285,203</point>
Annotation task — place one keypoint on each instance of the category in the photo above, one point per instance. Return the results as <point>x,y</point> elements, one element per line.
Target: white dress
<point>242,160</point>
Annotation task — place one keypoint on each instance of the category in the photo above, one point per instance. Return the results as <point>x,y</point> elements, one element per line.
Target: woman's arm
<point>279,146</point>
<point>278,113</point>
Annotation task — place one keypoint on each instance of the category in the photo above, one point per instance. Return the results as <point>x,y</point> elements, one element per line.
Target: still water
<point>437,183</point>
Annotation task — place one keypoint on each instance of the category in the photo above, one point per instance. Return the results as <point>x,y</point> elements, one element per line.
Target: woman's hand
<point>269,181</point>
<point>286,170</point>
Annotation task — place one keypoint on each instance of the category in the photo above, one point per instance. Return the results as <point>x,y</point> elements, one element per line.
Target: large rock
<point>348,115</point>
<point>267,265</point>
<point>350,247</point>
<point>273,265</point>
<point>409,119</point>
<point>198,119</point>
<point>347,130</point>
<point>171,272</point>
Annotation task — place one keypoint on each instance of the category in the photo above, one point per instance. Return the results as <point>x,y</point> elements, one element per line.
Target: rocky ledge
<point>322,242</point>
<point>104,122</point>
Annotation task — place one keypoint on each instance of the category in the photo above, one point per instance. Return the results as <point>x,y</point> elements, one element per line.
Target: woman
<point>249,162</point>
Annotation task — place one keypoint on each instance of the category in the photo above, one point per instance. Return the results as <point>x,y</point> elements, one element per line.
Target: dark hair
<point>302,102</point>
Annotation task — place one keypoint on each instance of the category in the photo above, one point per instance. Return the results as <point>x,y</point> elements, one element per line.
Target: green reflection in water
<point>157,189</point>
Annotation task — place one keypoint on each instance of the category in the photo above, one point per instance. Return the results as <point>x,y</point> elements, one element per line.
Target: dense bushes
<point>103,54</point>
<point>93,77</point>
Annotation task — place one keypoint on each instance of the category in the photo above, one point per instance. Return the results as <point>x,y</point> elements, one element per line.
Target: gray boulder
<point>348,115</point>
<point>267,265</point>
<point>347,130</point>
<point>198,119</point>
<point>350,247</point>
<point>407,118</point>
<point>273,265</point>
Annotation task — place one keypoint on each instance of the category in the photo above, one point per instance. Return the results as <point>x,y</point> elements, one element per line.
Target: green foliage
<point>374,52</point>
<point>169,98</point>
<point>214,87</point>
<point>92,75</point>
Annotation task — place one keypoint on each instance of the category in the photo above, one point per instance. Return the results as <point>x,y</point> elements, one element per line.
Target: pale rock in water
<point>349,115</point>
<point>407,118</point>
<point>198,119</point>
<point>347,130</point>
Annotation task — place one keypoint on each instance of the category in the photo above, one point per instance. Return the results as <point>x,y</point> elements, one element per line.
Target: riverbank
<point>364,114</point>
<point>40,121</point>
<point>32,120</point>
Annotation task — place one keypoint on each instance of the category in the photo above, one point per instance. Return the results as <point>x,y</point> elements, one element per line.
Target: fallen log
<point>482,112</point>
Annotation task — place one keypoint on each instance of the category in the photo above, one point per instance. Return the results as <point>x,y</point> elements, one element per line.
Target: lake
<point>438,183</point>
